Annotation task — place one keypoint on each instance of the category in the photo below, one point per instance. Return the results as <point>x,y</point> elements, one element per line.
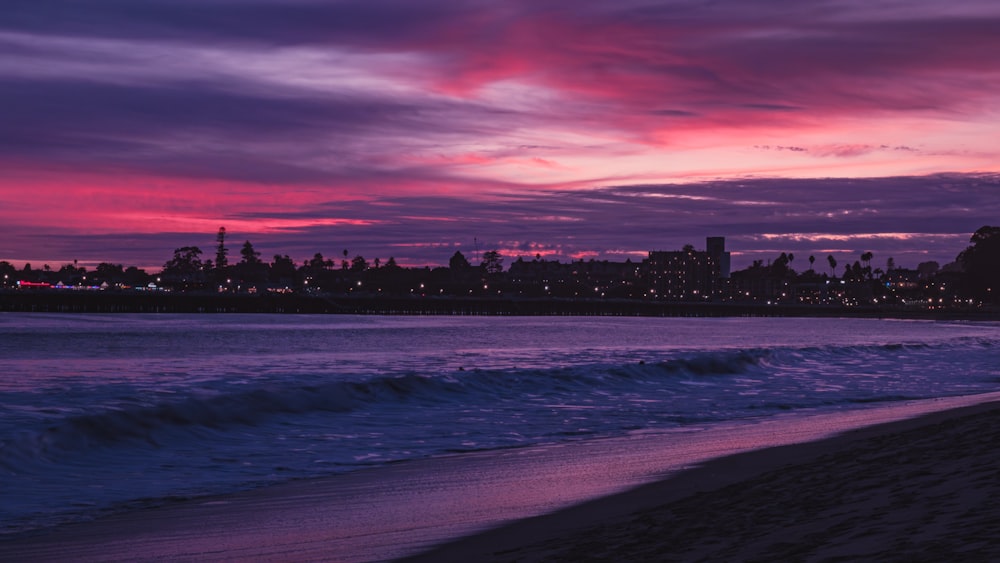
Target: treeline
<point>973,277</point>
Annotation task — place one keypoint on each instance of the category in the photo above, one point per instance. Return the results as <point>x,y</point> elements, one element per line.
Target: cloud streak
<point>904,218</point>
<point>573,130</point>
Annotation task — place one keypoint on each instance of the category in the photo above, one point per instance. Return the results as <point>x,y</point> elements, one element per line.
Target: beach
<point>923,489</point>
<point>912,481</point>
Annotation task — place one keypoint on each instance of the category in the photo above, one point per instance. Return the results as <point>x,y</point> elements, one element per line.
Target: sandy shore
<point>920,490</point>
<point>891,487</point>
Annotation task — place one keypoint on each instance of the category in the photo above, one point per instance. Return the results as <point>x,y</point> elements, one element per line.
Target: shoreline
<point>918,489</point>
<point>68,301</point>
<point>402,509</point>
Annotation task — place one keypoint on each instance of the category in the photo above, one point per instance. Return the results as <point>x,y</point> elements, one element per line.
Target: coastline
<point>68,301</point>
<point>401,509</point>
<point>918,489</point>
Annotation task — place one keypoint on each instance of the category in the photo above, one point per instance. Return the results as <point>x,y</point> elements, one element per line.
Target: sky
<point>569,130</point>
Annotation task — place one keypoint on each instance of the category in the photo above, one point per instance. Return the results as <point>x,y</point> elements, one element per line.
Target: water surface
<point>106,412</point>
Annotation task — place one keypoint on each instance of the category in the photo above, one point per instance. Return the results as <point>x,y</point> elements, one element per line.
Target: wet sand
<point>920,490</point>
<point>893,487</point>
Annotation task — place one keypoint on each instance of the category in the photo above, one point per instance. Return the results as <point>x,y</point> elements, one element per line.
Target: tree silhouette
<point>8,273</point>
<point>492,262</point>
<point>779,267</point>
<point>108,272</point>
<point>318,264</point>
<point>833,264</point>
<point>458,262</point>
<point>251,268</point>
<point>981,261</point>
<point>186,259</point>
<point>359,264</point>
<point>866,257</point>
<point>186,265</point>
<point>248,255</point>
<point>812,260</point>
<point>283,269</point>
<point>136,277</point>
<point>928,269</point>
<point>220,250</point>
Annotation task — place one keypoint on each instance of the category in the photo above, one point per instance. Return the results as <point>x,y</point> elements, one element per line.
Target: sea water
<point>102,413</point>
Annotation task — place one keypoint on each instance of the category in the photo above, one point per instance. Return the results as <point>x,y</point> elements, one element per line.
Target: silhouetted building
<point>688,274</point>
<point>716,248</point>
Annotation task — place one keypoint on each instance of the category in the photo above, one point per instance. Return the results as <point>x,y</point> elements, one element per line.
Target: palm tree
<point>866,257</point>
<point>833,265</point>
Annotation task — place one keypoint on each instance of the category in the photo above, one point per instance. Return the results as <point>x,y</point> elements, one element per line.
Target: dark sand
<point>892,487</point>
<point>927,489</point>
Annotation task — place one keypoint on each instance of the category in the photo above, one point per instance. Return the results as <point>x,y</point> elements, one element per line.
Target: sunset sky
<point>412,129</point>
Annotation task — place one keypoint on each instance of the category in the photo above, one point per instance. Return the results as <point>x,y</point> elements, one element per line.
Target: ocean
<point>107,413</point>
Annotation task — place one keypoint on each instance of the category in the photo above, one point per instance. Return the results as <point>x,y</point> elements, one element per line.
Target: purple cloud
<point>532,125</point>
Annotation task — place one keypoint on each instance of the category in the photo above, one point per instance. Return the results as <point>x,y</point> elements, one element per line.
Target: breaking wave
<point>221,408</point>
<point>215,411</point>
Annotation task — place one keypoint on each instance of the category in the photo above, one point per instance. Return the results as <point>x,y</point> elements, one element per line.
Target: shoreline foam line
<point>401,509</point>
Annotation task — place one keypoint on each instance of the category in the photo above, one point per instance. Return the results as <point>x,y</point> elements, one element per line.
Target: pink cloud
<point>779,69</point>
<point>368,107</point>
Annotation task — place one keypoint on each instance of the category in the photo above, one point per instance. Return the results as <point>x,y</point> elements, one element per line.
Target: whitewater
<point>105,413</point>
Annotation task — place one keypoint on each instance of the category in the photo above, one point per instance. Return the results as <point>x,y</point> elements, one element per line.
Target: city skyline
<point>392,129</point>
<point>236,252</point>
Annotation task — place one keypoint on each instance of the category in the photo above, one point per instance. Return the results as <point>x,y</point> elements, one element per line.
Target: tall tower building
<point>716,248</point>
